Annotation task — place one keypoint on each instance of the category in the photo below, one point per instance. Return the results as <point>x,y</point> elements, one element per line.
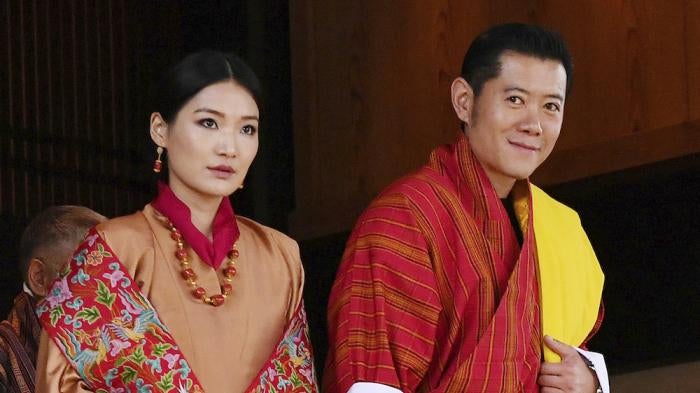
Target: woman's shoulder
<point>131,232</point>
<point>276,255</point>
<point>259,233</point>
<point>124,225</point>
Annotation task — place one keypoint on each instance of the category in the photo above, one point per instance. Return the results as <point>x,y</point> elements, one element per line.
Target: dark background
<point>74,131</point>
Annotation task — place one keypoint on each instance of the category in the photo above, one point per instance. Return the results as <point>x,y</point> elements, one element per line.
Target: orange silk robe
<point>226,346</point>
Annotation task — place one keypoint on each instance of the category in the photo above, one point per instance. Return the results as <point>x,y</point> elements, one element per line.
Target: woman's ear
<point>159,130</point>
<point>462,100</point>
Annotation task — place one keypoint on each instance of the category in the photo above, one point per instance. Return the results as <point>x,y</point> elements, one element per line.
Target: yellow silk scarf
<point>571,280</point>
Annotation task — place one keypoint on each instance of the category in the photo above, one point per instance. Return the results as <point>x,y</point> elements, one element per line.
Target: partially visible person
<point>184,295</point>
<point>460,276</point>
<point>46,245</point>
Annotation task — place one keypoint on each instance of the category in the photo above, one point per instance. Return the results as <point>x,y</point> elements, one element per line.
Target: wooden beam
<point>620,152</point>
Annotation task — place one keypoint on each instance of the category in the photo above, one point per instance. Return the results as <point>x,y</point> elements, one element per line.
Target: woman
<point>184,295</point>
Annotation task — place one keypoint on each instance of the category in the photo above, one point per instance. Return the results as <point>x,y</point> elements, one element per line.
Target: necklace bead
<point>190,277</point>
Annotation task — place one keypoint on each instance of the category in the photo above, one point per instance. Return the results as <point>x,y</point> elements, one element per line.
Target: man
<point>46,244</point>
<point>464,277</point>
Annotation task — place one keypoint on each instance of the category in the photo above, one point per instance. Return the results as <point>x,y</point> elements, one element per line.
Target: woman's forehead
<point>226,97</point>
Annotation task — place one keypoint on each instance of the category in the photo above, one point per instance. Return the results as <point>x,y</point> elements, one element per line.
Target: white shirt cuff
<point>26,289</point>
<point>371,387</point>
<point>596,358</point>
<point>599,363</point>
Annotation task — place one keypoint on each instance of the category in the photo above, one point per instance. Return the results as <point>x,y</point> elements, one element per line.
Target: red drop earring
<point>158,164</point>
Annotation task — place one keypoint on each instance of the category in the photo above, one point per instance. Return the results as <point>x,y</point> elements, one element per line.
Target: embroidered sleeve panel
<point>290,367</point>
<point>107,330</point>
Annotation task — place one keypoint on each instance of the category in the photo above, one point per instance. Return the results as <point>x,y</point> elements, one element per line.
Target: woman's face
<point>211,142</point>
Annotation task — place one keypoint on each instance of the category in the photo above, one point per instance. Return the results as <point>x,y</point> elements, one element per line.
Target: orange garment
<point>226,346</point>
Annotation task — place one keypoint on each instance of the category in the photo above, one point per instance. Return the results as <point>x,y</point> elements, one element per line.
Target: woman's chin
<point>218,192</point>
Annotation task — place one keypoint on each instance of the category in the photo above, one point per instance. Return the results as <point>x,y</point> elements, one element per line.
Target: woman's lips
<point>222,171</point>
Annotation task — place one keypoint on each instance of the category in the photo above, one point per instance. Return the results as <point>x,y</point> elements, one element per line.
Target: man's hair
<point>57,226</point>
<point>482,60</point>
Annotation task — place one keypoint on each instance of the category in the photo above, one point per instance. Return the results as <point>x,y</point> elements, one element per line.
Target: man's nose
<point>531,124</point>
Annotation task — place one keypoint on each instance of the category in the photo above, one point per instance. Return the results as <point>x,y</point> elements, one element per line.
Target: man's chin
<point>520,174</point>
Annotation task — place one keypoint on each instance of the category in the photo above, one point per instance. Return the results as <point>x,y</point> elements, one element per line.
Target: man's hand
<point>570,376</point>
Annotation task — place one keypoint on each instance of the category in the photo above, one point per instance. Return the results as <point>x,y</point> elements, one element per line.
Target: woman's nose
<point>227,146</point>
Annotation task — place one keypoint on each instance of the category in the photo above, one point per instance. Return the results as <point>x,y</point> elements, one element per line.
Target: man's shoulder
<point>544,202</point>
<point>417,197</point>
<point>20,326</point>
<point>418,187</point>
<point>22,312</point>
<point>19,334</point>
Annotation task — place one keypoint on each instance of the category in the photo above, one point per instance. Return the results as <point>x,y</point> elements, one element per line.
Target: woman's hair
<point>195,72</point>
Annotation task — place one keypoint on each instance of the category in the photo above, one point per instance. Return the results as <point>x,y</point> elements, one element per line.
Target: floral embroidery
<point>94,258</point>
<point>90,239</point>
<point>113,338</point>
<point>108,330</point>
<point>114,277</point>
<point>290,368</point>
<point>60,292</point>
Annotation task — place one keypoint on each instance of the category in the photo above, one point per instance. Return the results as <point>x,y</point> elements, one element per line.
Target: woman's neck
<point>202,210</point>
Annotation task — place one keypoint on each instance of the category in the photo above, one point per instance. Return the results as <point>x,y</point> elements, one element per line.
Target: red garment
<point>224,228</point>
<point>19,340</point>
<point>434,293</point>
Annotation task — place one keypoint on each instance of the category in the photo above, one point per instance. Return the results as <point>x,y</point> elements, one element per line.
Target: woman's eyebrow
<point>209,110</point>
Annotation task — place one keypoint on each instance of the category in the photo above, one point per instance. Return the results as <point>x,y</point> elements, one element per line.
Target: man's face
<point>517,117</point>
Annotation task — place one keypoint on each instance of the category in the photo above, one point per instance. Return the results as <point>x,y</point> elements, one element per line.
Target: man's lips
<point>525,146</point>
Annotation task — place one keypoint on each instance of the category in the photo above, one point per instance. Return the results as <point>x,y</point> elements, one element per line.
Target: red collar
<point>458,163</point>
<point>225,230</point>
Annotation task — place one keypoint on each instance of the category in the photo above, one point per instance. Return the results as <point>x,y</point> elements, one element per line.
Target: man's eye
<point>208,123</point>
<point>515,100</point>
<point>552,107</point>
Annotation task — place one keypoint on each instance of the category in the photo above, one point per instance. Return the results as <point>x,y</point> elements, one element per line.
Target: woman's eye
<point>515,100</point>
<point>208,123</point>
<point>552,107</point>
<point>248,130</point>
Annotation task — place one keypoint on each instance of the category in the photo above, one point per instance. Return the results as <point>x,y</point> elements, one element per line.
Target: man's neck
<point>502,184</point>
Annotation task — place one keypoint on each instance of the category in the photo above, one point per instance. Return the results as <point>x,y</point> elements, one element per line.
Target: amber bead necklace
<point>190,277</point>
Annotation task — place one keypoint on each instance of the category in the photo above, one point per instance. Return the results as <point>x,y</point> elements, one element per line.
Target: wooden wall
<point>371,90</point>
<point>75,88</point>
<point>73,110</point>
<point>73,104</point>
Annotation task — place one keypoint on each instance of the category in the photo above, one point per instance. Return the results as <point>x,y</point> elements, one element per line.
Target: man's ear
<point>37,277</point>
<point>159,130</point>
<point>462,100</point>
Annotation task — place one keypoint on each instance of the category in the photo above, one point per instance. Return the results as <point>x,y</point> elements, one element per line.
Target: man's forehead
<point>531,74</point>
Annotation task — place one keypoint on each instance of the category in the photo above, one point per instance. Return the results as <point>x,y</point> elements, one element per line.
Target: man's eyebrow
<point>525,91</point>
<point>516,88</point>
<point>556,97</point>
